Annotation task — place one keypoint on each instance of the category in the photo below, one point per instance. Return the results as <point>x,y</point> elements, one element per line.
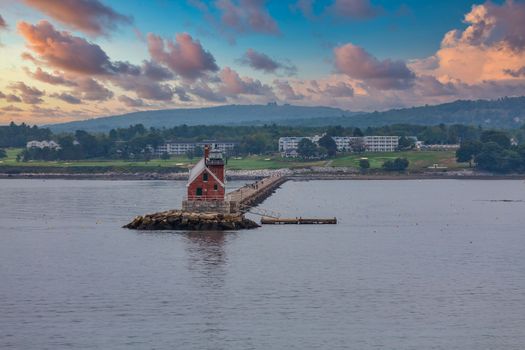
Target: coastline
<point>295,175</point>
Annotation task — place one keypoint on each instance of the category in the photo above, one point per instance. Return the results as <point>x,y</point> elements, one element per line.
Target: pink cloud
<point>92,90</point>
<point>233,84</point>
<point>490,48</point>
<point>64,51</point>
<point>56,79</point>
<point>185,56</point>
<point>339,89</point>
<point>89,16</point>
<point>286,92</point>
<point>490,24</point>
<point>384,75</point>
<point>205,92</point>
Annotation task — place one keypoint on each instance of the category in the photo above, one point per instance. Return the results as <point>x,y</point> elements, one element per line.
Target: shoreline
<point>251,175</point>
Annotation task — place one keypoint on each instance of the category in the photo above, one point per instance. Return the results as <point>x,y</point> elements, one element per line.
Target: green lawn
<point>418,160</point>
<point>268,162</point>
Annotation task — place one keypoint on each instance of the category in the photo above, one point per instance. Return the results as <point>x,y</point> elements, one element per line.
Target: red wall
<point>218,170</point>
<point>208,193</point>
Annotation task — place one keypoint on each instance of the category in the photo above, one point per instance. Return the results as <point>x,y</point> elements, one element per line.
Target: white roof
<point>198,169</point>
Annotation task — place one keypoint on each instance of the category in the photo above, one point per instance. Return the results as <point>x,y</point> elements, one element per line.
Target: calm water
<point>411,265</point>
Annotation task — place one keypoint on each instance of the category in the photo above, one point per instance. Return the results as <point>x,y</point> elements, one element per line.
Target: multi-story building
<point>181,148</point>
<point>43,144</point>
<point>344,143</point>
<point>381,143</point>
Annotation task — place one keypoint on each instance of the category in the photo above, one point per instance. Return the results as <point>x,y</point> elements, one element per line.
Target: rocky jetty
<point>183,220</point>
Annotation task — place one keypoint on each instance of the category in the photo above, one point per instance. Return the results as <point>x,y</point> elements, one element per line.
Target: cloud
<point>155,71</point>
<point>11,108</point>
<point>56,79</point>
<point>81,60</point>
<point>489,24</point>
<point>339,89</point>
<point>92,90</point>
<point>203,90</point>
<point>2,95</point>
<point>383,75</point>
<point>182,95</point>
<point>286,92</point>
<point>30,95</point>
<point>262,62</point>
<point>67,98</point>
<point>245,16</point>
<point>237,17</point>
<point>144,87</point>
<point>131,102</point>
<point>306,7</point>
<point>233,84</point>
<point>490,48</point>
<point>185,56</point>
<point>64,51</point>
<point>89,16</point>
<point>429,86</point>
<point>516,73</point>
<point>350,9</point>
<point>3,24</point>
<point>12,98</point>
<point>355,9</point>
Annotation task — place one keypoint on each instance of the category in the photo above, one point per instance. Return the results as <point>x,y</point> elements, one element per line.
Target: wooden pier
<point>251,195</point>
<point>298,221</point>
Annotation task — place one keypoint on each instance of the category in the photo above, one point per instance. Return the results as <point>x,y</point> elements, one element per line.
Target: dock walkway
<point>252,194</point>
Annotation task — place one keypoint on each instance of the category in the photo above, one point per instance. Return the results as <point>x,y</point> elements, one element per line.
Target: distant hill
<point>506,112</point>
<point>225,115</point>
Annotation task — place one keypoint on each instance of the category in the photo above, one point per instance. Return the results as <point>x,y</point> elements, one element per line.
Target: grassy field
<point>418,160</point>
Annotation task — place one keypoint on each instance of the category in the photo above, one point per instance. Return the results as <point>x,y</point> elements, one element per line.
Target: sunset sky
<point>76,59</point>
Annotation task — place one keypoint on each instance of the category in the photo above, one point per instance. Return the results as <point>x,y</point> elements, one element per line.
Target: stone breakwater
<point>189,221</point>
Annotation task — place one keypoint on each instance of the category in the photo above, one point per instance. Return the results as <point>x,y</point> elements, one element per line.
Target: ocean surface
<point>432,264</point>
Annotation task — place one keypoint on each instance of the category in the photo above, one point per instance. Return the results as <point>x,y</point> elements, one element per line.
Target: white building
<point>345,143</point>
<point>381,143</point>
<point>181,148</point>
<point>43,144</point>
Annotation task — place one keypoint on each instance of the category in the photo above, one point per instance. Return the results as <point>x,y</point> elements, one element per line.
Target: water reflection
<point>208,263</point>
<point>207,255</point>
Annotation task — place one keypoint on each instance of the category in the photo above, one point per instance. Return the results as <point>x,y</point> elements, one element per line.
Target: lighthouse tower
<point>206,183</point>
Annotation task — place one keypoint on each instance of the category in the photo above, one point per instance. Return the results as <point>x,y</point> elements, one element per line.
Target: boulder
<point>190,221</point>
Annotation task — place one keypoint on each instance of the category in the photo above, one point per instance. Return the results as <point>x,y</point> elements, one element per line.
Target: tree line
<point>138,142</point>
<point>494,151</point>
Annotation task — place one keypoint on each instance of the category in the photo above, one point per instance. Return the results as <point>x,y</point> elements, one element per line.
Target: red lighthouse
<point>206,181</point>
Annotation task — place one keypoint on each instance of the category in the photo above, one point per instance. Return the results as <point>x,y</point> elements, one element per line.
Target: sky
<point>77,59</point>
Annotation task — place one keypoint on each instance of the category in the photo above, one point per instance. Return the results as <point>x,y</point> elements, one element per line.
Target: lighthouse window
<point>199,191</point>
<point>215,187</point>
<point>205,177</point>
